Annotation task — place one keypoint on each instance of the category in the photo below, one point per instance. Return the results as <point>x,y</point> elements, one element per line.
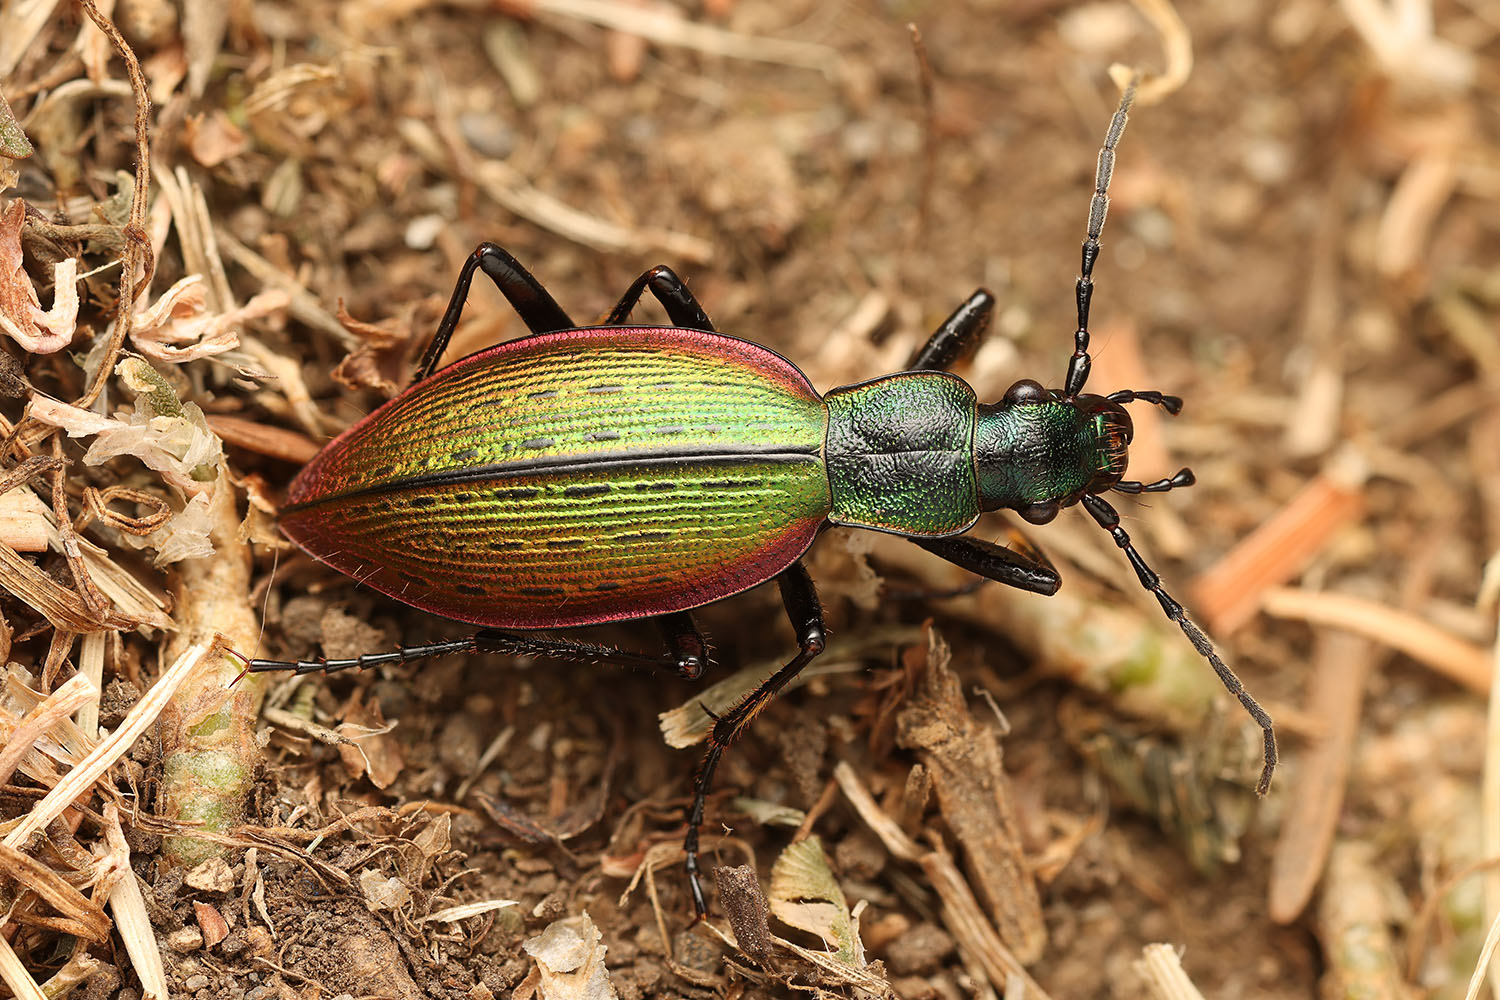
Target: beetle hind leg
<point>806,613</point>
<point>533,303</point>
<point>686,656</point>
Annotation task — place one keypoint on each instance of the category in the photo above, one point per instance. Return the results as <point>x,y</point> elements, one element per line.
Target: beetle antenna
<point>1083,290</point>
<point>1109,520</point>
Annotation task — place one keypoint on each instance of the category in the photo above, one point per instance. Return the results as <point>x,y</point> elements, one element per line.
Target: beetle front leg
<point>1020,565</point>
<point>671,291</point>
<point>958,337</point>
<point>533,303</point>
<point>806,613</point>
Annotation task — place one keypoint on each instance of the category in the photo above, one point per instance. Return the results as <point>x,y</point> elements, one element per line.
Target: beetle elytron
<point>585,475</point>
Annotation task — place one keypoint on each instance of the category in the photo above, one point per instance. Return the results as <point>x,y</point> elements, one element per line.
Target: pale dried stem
<point>962,914</point>
<point>59,705</point>
<point>1228,594</point>
<point>1176,44</point>
<point>1424,642</point>
<point>1161,968</point>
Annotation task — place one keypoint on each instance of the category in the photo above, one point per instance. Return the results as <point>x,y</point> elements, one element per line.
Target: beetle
<point>582,475</point>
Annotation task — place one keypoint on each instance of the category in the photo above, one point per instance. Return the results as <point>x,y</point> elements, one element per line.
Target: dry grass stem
<point>962,914</point>
<point>1424,642</point>
<point>1161,968</point>
<point>1177,46</point>
<point>128,904</point>
<point>14,975</point>
<point>1489,801</point>
<point>76,692</point>
<point>81,779</point>
<point>670,28</point>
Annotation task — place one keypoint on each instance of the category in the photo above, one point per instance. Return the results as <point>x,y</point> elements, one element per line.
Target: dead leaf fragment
<point>213,875</point>
<point>570,960</point>
<point>22,318</point>
<point>13,142</point>
<point>181,317</point>
<point>371,749</point>
<point>381,892</point>
<point>213,138</point>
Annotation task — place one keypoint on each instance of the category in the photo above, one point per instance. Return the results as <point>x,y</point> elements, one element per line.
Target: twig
<point>1161,967</point>
<point>666,28</point>
<point>1228,594</point>
<point>1176,43</point>
<point>92,767</point>
<point>138,240</point>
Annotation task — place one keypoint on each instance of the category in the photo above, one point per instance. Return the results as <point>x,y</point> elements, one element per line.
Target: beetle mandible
<point>577,476</point>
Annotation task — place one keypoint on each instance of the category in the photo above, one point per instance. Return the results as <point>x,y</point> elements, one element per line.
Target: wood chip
<point>973,792</point>
<point>1315,798</point>
<point>1229,594</point>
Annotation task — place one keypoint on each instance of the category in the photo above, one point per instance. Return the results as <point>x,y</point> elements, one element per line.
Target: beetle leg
<point>1021,565</point>
<point>1172,404</point>
<point>536,307</point>
<point>676,663</point>
<point>689,650</point>
<point>671,291</point>
<point>806,613</point>
<point>958,337</point>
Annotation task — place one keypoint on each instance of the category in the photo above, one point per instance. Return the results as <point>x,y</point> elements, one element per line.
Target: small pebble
<point>185,940</point>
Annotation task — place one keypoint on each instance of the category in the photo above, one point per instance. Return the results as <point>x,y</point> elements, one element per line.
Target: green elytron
<point>584,475</point>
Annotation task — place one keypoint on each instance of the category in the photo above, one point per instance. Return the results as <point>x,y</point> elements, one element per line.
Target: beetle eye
<point>1026,391</point>
<point>1040,513</point>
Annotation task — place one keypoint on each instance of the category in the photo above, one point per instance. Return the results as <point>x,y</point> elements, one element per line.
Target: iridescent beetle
<point>577,476</point>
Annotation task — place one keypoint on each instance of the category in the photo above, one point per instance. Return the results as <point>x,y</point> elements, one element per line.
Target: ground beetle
<point>585,475</point>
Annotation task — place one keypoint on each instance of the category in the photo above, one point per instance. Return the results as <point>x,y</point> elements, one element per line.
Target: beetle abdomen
<point>575,477</point>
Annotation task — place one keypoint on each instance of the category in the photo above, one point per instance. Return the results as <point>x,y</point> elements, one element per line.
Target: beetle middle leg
<point>957,337</point>
<point>806,612</point>
<point>671,291</point>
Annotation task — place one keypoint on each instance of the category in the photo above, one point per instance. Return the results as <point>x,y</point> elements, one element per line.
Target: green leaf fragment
<point>806,895</point>
<point>13,141</point>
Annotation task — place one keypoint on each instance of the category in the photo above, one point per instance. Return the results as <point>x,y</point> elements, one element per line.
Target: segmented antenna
<point>1078,364</point>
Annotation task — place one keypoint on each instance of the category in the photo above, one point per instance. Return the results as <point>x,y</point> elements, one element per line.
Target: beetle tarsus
<point>1183,478</point>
